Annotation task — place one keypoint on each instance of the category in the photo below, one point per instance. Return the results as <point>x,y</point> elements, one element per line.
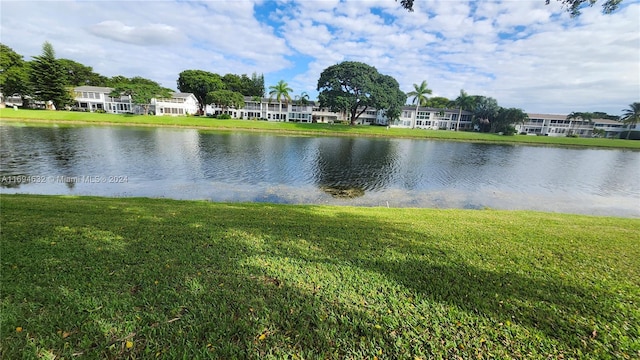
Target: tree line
<point>349,87</point>
<point>47,78</point>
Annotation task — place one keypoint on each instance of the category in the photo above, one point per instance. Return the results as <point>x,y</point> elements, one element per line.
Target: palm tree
<point>583,116</point>
<point>463,102</point>
<point>419,97</point>
<point>303,99</point>
<point>279,91</point>
<point>631,117</point>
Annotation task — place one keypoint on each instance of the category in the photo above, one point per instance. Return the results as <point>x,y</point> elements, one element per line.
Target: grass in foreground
<point>144,278</point>
<point>304,129</point>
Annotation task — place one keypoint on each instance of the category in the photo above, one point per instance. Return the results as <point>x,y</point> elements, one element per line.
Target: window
<point>423,115</point>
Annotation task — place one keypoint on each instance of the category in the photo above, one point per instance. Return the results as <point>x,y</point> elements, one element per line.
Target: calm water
<point>191,164</point>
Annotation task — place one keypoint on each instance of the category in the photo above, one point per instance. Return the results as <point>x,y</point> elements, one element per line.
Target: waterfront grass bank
<point>83,118</point>
<point>153,278</point>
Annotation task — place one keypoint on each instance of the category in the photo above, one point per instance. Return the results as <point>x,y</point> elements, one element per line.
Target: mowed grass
<point>151,278</point>
<point>69,117</point>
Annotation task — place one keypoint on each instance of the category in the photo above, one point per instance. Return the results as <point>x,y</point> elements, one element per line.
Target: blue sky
<point>522,53</point>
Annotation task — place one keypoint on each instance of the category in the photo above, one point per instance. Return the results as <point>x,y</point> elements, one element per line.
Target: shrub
<point>101,111</point>
<point>224,116</point>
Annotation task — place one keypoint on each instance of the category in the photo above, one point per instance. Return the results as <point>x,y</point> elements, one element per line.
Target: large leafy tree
<point>437,102</point>
<point>14,73</point>
<point>233,82</point>
<point>226,99</point>
<point>280,92</point>
<point>141,91</point>
<point>463,102</point>
<point>200,83</point>
<point>485,111</point>
<point>388,97</point>
<point>506,118</point>
<point>352,87</point>
<point>253,86</point>
<point>419,94</point>
<point>48,78</point>
<point>572,6</point>
<point>631,117</point>
<point>78,74</point>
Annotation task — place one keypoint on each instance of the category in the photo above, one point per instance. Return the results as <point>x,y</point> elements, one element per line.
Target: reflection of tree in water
<point>64,152</point>
<point>347,167</point>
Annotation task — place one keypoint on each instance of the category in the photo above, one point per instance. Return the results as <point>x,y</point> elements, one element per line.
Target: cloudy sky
<point>521,52</point>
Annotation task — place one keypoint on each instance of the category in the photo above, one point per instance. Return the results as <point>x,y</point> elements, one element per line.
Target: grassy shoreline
<point>80,118</point>
<point>141,278</point>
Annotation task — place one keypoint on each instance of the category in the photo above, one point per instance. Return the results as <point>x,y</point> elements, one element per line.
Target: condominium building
<point>93,98</point>
<point>430,118</point>
<point>266,109</point>
<point>560,125</point>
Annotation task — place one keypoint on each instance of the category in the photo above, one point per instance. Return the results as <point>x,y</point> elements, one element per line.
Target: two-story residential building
<point>429,118</point>
<point>92,98</point>
<point>267,109</point>
<point>555,125</point>
<point>178,104</point>
<point>611,128</point>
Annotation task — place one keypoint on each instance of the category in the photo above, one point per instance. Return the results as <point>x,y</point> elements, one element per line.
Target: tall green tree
<point>463,102</point>
<point>571,6</point>
<point>578,117</point>
<point>631,117</point>
<point>256,86</point>
<point>303,98</point>
<point>200,83</point>
<point>506,118</point>
<point>226,99</point>
<point>352,87</point>
<point>388,97</point>
<point>14,74</point>
<point>233,82</point>
<point>437,102</point>
<point>485,111</point>
<point>77,74</point>
<point>419,94</point>
<point>280,91</point>
<point>141,92</point>
<point>48,78</point>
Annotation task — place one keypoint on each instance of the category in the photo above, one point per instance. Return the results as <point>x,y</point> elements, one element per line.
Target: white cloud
<point>151,34</point>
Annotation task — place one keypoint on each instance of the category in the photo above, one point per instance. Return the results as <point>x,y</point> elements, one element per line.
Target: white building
<point>430,118</point>
<point>557,125</point>
<point>93,98</point>
<point>611,128</point>
<point>178,104</point>
<point>265,109</point>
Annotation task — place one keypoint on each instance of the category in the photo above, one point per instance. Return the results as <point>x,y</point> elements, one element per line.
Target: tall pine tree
<point>48,78</point>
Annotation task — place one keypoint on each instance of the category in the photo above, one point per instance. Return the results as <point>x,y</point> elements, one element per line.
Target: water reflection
<point>351,166</point>
<point>189,164</point>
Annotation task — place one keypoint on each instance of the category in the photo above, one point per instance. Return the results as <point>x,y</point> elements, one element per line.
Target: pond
<point>247,167</point>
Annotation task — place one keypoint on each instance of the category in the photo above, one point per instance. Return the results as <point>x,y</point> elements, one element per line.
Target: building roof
<point>547,116</point>
<point>182,95</point>
<point>606,122</point>
<point>101,89</point>
<point>431,109</point>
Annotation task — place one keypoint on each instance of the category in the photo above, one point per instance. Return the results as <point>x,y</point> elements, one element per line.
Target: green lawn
<point>301,128</point>
<point>150,278</point>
